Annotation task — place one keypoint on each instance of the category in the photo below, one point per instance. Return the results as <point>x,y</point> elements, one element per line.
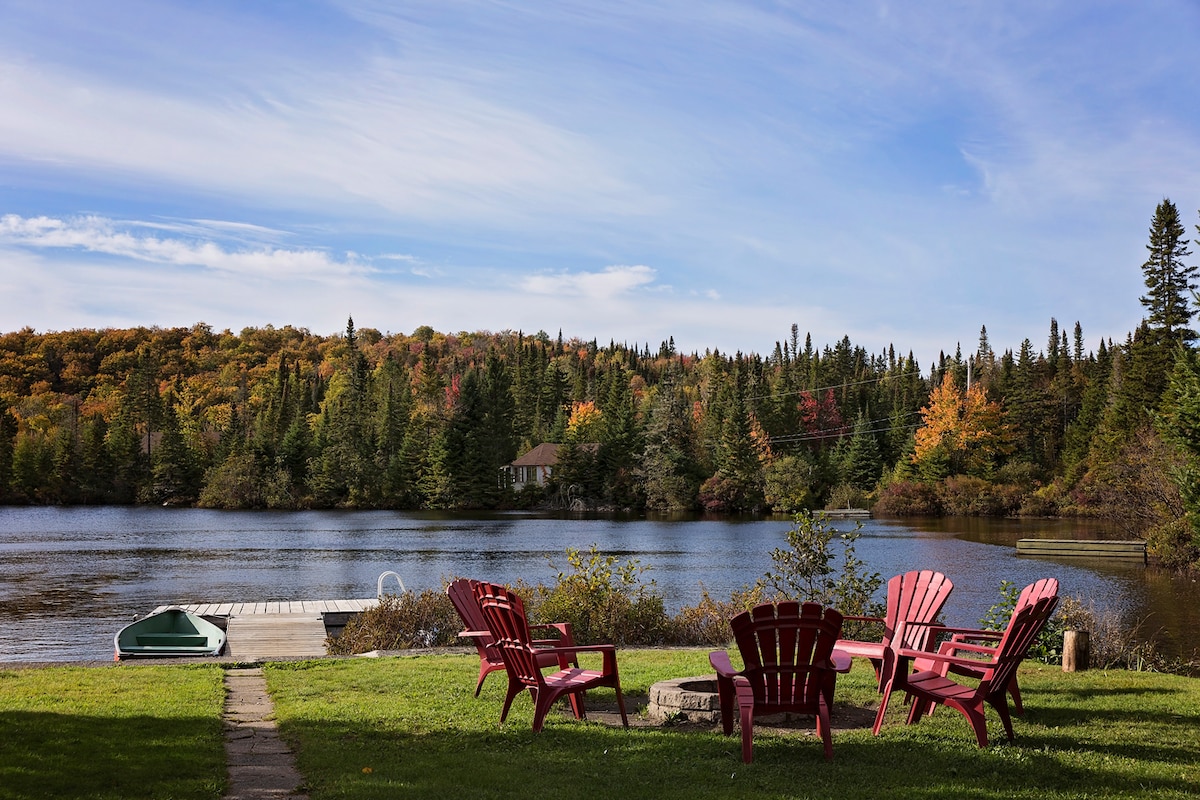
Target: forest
<point>283,418</point>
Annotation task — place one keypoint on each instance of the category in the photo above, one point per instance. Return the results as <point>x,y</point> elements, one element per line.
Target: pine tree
<point>863,463</point>
<point>1168,280</point>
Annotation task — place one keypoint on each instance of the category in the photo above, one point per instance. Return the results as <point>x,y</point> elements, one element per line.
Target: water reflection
<point>70,577</point>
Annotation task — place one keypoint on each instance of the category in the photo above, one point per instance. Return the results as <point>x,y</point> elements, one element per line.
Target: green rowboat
<point>171,632</point>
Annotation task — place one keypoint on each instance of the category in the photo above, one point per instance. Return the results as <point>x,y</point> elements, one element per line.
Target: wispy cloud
<point>604,285</point>
<point>106,237</point>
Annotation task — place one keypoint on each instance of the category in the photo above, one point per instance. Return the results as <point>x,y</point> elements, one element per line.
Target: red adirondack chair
<point>916,596</point>
<point>790,666</point>
<point>505,616</point>
<point>961,638</point>
<point>931,687</point>
<point>462,594</point>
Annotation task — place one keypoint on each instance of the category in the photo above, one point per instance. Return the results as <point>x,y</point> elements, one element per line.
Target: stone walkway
<point>261,766</point>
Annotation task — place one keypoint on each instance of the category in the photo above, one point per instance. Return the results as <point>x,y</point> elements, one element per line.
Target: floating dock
<point>1127,549</point>
<point>847,513</point>
<point>261,631</point>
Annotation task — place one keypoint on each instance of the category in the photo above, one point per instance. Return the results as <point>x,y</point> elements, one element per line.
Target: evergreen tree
<point>863,462</point>
<point>668,463</point>
<point>1168,280</point>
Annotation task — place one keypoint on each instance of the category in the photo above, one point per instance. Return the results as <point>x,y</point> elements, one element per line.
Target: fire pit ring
<point>693,699</point>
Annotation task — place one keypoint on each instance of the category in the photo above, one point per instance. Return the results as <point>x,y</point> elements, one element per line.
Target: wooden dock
<point>261,631</point>
<point>1129,549</point>
<point>847,513</point>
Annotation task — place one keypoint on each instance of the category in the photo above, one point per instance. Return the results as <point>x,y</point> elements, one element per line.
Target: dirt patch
<point>844,718</point>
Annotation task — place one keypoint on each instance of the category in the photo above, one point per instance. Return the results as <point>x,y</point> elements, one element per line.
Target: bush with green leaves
<point>707,622</point>
<point>809,568</point>
<point>605,601</point>
<point>400,622</point>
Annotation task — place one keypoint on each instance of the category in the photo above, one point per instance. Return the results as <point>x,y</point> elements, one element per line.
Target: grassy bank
<point>410,727</point>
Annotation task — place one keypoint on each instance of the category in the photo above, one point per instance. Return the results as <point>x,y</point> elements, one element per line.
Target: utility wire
<point>837,386</point>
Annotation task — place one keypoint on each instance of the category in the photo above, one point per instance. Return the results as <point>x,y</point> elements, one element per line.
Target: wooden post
<point>1075,651</point>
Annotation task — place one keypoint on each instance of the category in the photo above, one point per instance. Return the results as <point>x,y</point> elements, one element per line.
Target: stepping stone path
<point>261,766</point>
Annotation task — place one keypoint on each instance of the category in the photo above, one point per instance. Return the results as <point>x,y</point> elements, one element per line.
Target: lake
<point>71,577</point>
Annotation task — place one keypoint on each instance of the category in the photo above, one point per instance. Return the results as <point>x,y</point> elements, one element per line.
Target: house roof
<point>546,454</point>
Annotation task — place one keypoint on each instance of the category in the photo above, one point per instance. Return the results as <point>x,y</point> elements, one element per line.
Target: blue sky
<point>901,173</point>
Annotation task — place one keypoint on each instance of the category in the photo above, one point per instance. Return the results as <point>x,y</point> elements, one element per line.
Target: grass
<point>410,728</point>
<point>120,732</point>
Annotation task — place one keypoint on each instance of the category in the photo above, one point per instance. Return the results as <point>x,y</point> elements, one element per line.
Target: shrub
<point>707,622</point>
<point>604,601</point>
<point>845,495</point>
<point>400,622</point>
<point>964,495</point>
<point>805,569</point>
<point>1114,645</point>
<point>908,499</point>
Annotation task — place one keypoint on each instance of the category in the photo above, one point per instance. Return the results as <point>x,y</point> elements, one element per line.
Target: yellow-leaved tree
<point>961,433</point>
<point>584,423</point>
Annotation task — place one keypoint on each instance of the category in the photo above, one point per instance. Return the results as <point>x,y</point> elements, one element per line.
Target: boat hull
<point>170,633</point>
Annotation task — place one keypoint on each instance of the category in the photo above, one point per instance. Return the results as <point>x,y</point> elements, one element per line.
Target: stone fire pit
<point>693,699</point>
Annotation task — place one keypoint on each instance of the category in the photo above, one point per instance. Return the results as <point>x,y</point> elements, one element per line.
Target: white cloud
<point>106,237</point>
<point>605,285</point>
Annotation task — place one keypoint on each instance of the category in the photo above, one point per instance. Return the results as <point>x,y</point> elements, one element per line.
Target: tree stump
<point>1075,651</point>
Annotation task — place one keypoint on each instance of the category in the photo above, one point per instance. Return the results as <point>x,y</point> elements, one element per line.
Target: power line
<point>835,433</point>
<point>837,386</point>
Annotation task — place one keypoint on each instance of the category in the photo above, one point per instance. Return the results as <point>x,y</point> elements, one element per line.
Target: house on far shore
<point>537,466</point>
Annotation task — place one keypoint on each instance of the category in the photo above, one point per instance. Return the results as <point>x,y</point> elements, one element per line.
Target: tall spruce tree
<point>1169,281</point>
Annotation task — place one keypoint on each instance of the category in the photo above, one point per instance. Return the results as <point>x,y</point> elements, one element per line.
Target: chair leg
<point>576,700</point>
<point>883,706</point>
<point>920,707</point>
<point>1015,691</point>
<point>621,705</point>
<point>824,730</point>
<point>745,699</point>
<point>542,704</point>
<point>978,724</point>
<point>514,689</point>
<point>725,694</point>
<point>999,703</point>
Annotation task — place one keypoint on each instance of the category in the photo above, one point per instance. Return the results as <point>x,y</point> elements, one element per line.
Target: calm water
<point>69,578</point>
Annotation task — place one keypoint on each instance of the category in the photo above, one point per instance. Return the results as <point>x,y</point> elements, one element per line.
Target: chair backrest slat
<point>916,596</point>
<point>786,650</point>
<point>504,613</point>
<point>1027,622</point>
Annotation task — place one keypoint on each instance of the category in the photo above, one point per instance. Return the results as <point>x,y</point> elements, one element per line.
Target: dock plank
<point>266,636</point>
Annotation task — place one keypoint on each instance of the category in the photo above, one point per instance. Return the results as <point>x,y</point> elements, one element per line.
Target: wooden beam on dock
<point>257,637</point>
<point>1096,548</point>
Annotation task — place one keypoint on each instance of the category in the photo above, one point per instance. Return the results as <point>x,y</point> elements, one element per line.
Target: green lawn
<point>410,728</point>
<point>118,732</point>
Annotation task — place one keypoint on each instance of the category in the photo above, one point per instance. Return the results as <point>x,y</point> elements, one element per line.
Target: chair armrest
<point>853,618</point>
<point>565,633</point>
<point>839,660</point>
<point>719,659</point>
<point>473,634</point>
<point>951,646</point>
<point>566,654</point>
<point>905,654</point>
<point>962,635</point>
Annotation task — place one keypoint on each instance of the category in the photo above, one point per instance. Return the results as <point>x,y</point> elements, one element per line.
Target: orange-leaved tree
<point>960,433</point>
